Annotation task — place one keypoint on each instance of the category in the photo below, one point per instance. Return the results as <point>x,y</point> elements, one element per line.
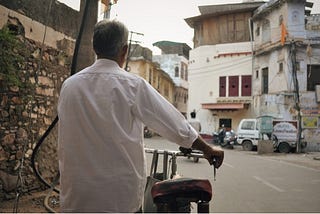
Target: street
<point>247,182</point>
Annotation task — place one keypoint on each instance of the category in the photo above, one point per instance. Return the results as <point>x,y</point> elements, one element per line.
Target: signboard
<point>309,122</point>
<point>285,130</point>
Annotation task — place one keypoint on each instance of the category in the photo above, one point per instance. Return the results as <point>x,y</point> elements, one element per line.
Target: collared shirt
<point>102,111</point>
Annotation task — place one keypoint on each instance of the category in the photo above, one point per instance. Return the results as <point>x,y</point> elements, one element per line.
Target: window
<point>258,31</point>
<point>233,86</point>
<point>182,72</point>
<point>257,74</point>
<point>248,125</point>
<point>222,86</point>
<point>280,19</point>
<point>297,66</point>
<point>313,77</point>
<point>227,122</point>
<point>265,81</point>
<point>186,75</point>
<point>295,16</point>
<point>150,75</point>
<point>246,85</point>
<point>166,90</point>
<point>176,71</point>
<point>280,67</point>
<point>185,99</point>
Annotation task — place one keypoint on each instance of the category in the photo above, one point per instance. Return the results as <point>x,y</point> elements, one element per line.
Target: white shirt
<point>102,111</point>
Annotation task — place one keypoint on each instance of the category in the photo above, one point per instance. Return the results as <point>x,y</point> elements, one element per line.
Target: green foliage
<point>11,50</point>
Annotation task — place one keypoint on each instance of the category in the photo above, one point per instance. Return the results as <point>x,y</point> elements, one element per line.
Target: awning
<point>222,106</point>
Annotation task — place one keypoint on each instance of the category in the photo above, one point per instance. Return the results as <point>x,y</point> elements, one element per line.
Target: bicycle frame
<point>174,195</point>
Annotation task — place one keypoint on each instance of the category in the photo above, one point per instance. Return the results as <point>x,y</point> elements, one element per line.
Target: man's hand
<point>214,155</point>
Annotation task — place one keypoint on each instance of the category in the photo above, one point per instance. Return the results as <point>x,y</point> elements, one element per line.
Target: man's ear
<point>125,49</point>
<point>123,55</point>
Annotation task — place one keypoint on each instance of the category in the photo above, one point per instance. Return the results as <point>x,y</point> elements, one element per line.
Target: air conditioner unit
<point>318,93</point>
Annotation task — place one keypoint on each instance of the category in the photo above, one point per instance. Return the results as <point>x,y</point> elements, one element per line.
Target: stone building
<point>286,69</point>
<point>44,36</point>
<point>174,61</point>
<point>220,65</point>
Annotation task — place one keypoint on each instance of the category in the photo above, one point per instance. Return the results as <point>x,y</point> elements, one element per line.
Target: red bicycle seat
<point>194,190</point>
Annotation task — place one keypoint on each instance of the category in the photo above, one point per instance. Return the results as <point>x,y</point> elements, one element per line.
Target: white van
<point>282,132</point>
<point>248,134</point>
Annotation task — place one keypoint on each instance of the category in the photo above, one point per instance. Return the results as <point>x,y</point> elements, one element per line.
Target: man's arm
<point>213,155</point>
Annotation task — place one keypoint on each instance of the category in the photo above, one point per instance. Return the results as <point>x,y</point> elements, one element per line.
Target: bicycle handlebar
<point>194,153</point>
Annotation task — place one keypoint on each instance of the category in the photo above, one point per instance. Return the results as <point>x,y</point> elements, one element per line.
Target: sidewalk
<point>308,159</point>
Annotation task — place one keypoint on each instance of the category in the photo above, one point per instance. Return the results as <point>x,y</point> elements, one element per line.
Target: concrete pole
<point>86,55</point>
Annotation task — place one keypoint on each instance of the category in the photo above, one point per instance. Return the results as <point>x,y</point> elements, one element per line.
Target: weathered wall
<point>63,23</point>
<point>26,113</point>
<point>59,17</point>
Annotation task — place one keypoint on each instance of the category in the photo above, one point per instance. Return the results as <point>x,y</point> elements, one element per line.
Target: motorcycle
<point>229,139</point>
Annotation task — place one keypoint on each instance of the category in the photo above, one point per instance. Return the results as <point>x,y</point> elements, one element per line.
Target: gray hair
<point>109,37</point>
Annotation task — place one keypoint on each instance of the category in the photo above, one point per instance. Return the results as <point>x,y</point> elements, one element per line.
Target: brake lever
<point>214,169</point>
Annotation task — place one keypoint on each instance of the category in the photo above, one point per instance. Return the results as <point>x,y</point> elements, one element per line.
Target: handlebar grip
<point>185,151</point>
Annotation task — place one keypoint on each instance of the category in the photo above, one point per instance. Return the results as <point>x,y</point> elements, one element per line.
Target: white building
<point>220,65</point>
<point>174,61</point>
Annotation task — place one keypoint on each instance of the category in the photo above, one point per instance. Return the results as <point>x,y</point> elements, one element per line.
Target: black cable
<point>73,71</point>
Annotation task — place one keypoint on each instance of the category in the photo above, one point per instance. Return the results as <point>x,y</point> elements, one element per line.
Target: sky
<point>161,20</point>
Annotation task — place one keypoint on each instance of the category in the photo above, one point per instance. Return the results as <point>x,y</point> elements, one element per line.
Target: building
<point>286,69</point>
<point>140,63</point>
<point>174,61</point>
<point>220,65</point>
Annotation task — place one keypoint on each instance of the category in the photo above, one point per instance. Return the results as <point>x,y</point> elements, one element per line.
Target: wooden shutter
<point>233,86</point>
<point>222,86</point>
<point>246,85</point>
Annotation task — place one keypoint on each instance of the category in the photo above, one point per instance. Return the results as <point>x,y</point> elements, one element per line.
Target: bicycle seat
<point>194,190</point>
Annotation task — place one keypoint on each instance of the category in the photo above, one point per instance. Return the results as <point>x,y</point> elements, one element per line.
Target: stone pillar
<point>265,146</point>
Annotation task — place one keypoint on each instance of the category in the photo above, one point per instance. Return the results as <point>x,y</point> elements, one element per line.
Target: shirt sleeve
<point>161,116</point>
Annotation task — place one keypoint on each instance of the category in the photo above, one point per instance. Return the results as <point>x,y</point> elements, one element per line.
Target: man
<point>222,134</point>
<point>102,111</point>
<point>195,123</point>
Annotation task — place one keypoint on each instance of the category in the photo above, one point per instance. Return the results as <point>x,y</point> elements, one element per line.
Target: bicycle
<point>166,192</point>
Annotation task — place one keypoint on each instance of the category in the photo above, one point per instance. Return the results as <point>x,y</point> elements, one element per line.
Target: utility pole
<point>129,48</point>
<point>296,90</point>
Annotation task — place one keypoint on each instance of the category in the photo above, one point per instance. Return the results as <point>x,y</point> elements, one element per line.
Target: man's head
<point>193,114</point>
<point>110,40</point>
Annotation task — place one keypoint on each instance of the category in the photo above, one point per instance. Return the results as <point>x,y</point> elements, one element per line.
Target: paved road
<point>248,182</point>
